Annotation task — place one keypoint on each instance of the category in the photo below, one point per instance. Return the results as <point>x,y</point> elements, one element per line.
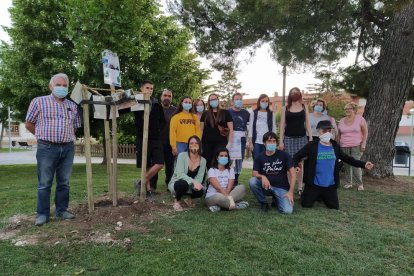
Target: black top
<point>156,122</point>
<point>194,173</point>
<point>165,131</point>
<point>295,123</point>
<point>310,150</point>
<point>211,134</point>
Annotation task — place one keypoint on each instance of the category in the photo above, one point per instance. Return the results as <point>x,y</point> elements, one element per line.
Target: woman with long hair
<point>294,125</point>
<point>221,192</point>
<point>352,137</point>
<point>198,108</point>
<point>262,120</point>
<point>216,128</point>
<point>188,174</point>
<point>183,124</point>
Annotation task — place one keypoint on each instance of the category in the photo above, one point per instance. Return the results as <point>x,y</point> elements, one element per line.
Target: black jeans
<point>169,167</point>
<point>181,188</point>
<point>210,149</point>
<point>328,195</point>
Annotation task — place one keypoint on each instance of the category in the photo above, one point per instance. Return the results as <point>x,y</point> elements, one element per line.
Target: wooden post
<point>87,141</point>
<point>115,153</point>
<point>144,148</point>
<point>108,156</point>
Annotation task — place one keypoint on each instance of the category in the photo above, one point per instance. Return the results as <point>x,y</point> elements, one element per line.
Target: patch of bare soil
<point>389,185</point>
<point>104,226</point>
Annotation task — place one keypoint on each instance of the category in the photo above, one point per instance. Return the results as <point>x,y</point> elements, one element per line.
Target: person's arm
<point>301,154</point>
<point>282,128</point>
<point>350,160</point>
<point>335,127</point>
<point>30,127</point>
<point>273,121</point>
<point>173,133</point>
<point>292,181</point>
<point>364,130</point>
<point>307,124</point>
<point>262,178</point>
<point>230,139</point>
<point>202,119</point>
<point>215,183</point>
<point>181,168</point>
<point>197,126</point>
<point>250,131</point>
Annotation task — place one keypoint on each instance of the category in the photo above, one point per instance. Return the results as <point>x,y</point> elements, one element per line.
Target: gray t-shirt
<point>314,120</point>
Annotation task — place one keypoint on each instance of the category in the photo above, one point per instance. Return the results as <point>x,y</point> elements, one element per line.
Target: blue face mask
<point>270,147</point>
<point>223,160</point>
<point>199,108</point>
<point>187,106</point>
<point>238,103</point>
<point>214,103</point>
<point>264,105</point>
<point>60,91</point>
<point>317,108</point>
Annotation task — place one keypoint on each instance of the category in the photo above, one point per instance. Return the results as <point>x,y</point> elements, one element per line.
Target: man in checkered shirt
<point>53,119</point>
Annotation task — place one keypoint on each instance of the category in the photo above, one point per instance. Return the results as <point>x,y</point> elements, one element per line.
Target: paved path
<point>29,157</point>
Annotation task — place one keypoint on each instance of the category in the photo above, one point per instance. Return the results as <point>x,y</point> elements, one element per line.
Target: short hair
<point>269,135</point>
<point>353,105</point>
<point>145,82</point>
<point>236,94</point>
<point>59,75</point>
<point>166,90</point>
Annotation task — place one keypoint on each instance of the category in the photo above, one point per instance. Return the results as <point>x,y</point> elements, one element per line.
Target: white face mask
<point>326,137</point>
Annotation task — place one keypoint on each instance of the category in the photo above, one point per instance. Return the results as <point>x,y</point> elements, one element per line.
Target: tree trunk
<point>1,135</point>
<point>392,78</point>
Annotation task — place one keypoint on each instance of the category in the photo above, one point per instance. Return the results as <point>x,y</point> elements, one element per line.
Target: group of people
<point>202,146</point>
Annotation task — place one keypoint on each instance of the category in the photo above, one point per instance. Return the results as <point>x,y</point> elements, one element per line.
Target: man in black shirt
<point>155,154</point>
<point>166,99</point>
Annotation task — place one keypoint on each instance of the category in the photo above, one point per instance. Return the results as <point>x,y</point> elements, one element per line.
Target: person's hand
<point>228,145</point>
<point>174,152</point>
<point>289,196</point>
<point>369,165</point>
<point>251,146</point>
<point>297,169</point>
<point>363,148</point>
<point>265,183</point>
<point>281,146</point>
<point>197,186</point>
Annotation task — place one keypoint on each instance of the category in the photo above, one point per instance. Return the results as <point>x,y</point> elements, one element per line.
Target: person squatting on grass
<point>321,170</point>
<point>270,176</point>
<point>188,174</point>
<point>53,119</point>
<point>220,192</point>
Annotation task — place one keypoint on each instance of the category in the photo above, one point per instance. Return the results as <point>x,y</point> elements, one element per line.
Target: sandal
<point>189,204</point>
<point>177,207</point>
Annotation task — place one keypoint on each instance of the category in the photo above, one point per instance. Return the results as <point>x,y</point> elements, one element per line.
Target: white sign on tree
<point>111,68</point>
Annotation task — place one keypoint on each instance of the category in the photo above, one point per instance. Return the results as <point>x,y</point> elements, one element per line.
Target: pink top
<point>351,135</point>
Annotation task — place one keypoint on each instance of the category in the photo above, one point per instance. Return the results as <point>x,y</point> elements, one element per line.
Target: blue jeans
<point>257,149</point>
<point>181,147</point>
<point>53,159</point>
<point>283,204</point>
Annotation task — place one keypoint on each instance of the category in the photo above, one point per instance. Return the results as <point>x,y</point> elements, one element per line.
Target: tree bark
<point>392,79</point>
<point>2,135</point>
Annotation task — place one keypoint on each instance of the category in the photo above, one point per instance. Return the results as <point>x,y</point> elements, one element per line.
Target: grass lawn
<point>372,234</point>
<point>12,150</point>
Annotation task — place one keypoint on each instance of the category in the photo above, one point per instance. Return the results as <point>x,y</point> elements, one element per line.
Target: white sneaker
<point>361,187</point>
<point>347,186</point>
<point>214,208</point>
<point>242,205</point>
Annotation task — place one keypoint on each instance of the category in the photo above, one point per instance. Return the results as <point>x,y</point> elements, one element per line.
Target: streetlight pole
<point>411,111</point>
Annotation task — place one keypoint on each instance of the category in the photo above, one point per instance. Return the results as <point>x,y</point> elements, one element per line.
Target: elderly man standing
<point>53,120</point>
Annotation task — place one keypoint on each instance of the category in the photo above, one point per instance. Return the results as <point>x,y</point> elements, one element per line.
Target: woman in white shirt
<point>220,192</point>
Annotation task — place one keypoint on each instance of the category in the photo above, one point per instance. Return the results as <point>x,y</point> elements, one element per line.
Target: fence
<point>124,151</point>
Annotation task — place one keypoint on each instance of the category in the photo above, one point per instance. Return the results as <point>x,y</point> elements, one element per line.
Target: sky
<point>258,74</point>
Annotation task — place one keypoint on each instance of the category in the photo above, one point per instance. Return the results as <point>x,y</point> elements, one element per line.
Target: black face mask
<point>166,102</point>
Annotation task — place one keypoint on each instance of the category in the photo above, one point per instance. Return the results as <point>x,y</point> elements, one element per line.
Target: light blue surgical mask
<point>317,108</point>
<point>238,103</point>
<point>270,147</point>
<point>200,108</point>
<point>264,105</point>
<point>187,106</point>
<point>223,160</point>
<point>214,103</point>
<point>60,91</point>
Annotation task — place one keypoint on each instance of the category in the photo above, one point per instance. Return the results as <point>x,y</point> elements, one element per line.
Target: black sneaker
<point>150,196</point>
<point>264,207</point>
<point>273,204</point>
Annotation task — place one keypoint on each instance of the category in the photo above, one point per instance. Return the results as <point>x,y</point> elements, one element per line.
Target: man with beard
<point>166,99</point>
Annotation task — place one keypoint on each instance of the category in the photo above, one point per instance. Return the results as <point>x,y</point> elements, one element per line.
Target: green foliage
<point>50,36</point>
<point>228,85</point>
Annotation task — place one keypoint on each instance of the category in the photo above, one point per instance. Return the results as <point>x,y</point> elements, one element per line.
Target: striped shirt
<point>54,122</point>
